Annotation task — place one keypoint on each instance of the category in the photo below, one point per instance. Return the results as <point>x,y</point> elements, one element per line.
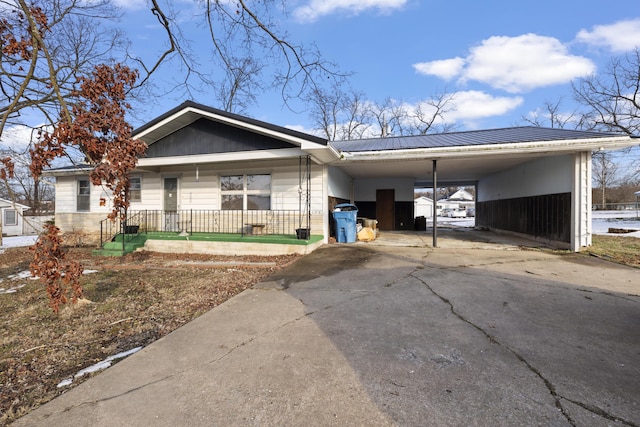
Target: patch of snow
<point>25,274</point>
<point>11,290</point>
<point>104,364</point>
<point>18,241</point>
<point>65,383</point>
<point>603,220</point>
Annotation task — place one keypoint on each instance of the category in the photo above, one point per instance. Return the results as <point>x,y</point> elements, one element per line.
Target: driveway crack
<point>548,384</point>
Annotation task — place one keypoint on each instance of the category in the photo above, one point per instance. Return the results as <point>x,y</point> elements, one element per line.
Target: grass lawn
<point>620,249</point>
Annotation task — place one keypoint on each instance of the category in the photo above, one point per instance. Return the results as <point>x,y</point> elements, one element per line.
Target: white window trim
<point>15,213</point>
<point>87,195</point>
<point>245,192</point>
<point>140,199</point>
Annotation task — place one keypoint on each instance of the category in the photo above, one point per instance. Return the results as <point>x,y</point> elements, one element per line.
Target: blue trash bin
<point>345,216</point>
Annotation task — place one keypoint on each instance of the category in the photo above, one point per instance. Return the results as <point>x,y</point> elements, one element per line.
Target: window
<point>249,192</point>
<point>135,189</point>
<point>84,195</point>
<point>10,217</point>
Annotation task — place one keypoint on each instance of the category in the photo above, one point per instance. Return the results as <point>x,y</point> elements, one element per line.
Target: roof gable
<point>189,112</point>
<point>205,136</point>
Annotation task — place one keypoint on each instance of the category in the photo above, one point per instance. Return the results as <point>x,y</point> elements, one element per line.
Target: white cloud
<point>621,36</point>
<point>131,4</point>
<point>17,138</point>
<point>300,128</point>
<point>444,68</point>
<point>468,106</point>
<point>318,8</point>
<point>473,105</point>
<point>515,64</point>
<point>520,64</point>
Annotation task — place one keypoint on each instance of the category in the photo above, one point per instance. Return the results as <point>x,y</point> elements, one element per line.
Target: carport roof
<point>465,157</point>
<point>512,135</point>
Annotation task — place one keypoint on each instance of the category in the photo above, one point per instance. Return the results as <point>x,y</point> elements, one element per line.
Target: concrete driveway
<point>470,333</point>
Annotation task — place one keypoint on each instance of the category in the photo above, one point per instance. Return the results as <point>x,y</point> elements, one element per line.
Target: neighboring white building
<point>12,218</point>
<point>461,195</point>
<point>423,206</point>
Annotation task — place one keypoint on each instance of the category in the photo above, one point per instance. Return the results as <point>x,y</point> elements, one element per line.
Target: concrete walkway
<point>470,333</point>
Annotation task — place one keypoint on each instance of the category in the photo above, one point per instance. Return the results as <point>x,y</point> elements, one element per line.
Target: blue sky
<point>502,59</point>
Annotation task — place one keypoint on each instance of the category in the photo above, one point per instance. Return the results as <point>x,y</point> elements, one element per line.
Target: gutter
<point>460,152</point>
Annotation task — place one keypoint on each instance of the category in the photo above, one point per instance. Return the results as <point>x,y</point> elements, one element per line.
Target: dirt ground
<point>128,302</point>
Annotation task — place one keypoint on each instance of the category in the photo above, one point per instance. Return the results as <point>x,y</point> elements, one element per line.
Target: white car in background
<point>457,213</point>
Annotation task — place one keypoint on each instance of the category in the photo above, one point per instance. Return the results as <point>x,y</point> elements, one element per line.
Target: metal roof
<point>469,138</point>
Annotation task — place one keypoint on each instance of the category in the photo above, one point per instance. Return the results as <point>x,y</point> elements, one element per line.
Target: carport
<point>530,181</point>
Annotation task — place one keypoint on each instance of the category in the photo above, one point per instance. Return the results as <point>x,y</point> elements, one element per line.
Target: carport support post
<point>435,204</point>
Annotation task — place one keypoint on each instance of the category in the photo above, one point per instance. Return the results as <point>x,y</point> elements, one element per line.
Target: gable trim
<point>189,111</point>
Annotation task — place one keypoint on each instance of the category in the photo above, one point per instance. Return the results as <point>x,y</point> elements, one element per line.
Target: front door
<point>171,204</point>
<point>385,209</point>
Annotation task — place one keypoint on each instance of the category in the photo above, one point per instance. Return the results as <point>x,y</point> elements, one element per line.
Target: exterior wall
<point>549,175</point>
<point>12,230</point>
<point>533,199</point>
<point>365,199</point>
<point>198,189</point>
<point>340,184</point>
<point>66,196</point>
<point>365,189</point>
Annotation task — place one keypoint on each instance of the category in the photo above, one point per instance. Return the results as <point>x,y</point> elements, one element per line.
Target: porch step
<point>114,248</point>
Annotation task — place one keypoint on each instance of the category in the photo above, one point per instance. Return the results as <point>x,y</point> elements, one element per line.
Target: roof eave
<point>559,146</point>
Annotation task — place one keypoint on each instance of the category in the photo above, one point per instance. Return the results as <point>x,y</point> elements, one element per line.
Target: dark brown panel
<point>547,216</point>
<point>206,137</point>
<point>385,209</point>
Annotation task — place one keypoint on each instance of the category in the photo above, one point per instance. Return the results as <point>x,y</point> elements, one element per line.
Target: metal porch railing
<point>241,222</point>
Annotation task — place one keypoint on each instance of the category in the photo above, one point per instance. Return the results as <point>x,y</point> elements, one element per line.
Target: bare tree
<point>339,115</point>
<point>357,117</point>
<point>390,117</point>
<point>326,111</point>
<point>246,43</point>
<point>605,172</point>
<point>613,97</point>
<point>552,115</point>
<point>47,45</point>
<point>23,187</point>
<point>430,115</point>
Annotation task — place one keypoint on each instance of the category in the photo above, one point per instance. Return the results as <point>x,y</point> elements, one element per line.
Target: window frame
<point>139,189</point>
<point>245,192</point>
<point>85,198</point>
<point>15,217</point>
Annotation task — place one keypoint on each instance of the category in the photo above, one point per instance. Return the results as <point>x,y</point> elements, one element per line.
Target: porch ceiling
<point>465,171</point>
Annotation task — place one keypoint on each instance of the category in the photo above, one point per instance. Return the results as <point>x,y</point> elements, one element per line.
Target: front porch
<point>209,231</point>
